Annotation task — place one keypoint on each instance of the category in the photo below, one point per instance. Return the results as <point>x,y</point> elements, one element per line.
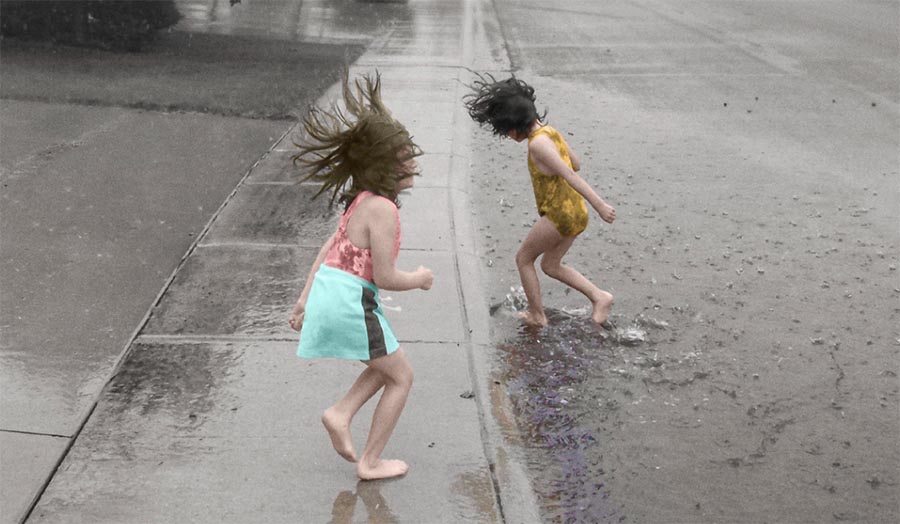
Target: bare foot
<point>602,306</point>
<point>383,469</point>
<point>533,319</point>
<point>339,431</point>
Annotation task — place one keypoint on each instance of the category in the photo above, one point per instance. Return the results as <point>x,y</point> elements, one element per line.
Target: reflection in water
<point>377,510</point>
<point>568,383</point>
<point>543,369</point>
<point>181,381</point>
<point>343,507</point>
<point>565,381</point>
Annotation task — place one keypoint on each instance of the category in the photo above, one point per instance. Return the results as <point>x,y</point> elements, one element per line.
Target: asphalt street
<point>751,151</point>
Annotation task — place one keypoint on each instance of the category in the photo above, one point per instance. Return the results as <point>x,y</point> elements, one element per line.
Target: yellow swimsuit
<point>555,198</point>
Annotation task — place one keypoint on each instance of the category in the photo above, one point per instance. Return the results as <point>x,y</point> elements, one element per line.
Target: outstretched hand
<point>607,213</point>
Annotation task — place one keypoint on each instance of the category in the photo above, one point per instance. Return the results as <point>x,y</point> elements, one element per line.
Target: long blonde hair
<point>355,150</point>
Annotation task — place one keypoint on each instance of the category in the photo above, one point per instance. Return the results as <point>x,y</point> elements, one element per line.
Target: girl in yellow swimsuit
<point>507,108</point>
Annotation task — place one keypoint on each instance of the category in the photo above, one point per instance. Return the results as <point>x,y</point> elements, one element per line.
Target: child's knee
<point>523,259</point>
<point>551,269</point>
<point>405,379</point>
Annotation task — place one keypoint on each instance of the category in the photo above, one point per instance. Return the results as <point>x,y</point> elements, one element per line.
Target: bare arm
<point>299,310</point>
<point>382,226</point>
<point>546,157</point>
<point>574,157</point>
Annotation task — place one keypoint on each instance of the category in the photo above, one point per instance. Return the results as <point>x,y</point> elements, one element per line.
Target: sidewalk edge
<point>515,495</point>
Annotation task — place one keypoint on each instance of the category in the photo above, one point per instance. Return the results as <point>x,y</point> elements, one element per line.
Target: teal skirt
<point>344,319</point>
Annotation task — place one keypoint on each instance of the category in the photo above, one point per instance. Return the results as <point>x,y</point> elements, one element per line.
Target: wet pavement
<point>87,262</point>
<point>100,205</point>
<point>752,369</point>
<point>751,152</point>
<point>92,233</point>
<point>208,416</point>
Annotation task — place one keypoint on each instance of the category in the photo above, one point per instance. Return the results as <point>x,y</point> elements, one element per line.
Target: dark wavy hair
<point>502,105</point>
<point>359,148</point>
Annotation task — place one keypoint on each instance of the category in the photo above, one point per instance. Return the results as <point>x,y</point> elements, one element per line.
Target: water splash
<point>512,303</point>
<point>631,336</point>
<point>388,298</point>
<point>550,375</point>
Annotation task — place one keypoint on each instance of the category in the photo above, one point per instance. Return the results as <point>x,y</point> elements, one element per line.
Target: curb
<point>515,495</point>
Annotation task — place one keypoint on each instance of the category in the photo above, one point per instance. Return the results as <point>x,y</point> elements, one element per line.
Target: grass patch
<point>221,74</point>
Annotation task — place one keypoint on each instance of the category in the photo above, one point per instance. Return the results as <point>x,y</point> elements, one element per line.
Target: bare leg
<point>552,265</point>
<point>337,418</point>
<point>398,377</point>
<point>542,236</point>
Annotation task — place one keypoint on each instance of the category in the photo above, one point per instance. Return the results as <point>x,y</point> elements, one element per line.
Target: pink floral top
<point>345,256</point>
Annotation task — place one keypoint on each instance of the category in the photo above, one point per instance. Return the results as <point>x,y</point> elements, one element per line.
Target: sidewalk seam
<point>35,433</point>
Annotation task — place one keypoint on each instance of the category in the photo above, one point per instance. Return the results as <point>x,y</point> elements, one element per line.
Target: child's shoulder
<point>543,137</point>
<point>377,205</point>
<point>546,132</point>
<point>553,133</point>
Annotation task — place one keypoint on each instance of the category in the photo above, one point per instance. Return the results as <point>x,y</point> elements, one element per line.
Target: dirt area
<point>752,375</point>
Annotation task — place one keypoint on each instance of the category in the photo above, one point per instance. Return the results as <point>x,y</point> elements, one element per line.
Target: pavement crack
<point>840,371</point>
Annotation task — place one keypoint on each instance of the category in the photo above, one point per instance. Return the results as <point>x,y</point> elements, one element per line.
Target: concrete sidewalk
<point>211,417</point>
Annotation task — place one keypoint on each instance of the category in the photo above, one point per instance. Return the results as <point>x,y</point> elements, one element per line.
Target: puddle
<point>374,505</point>
<point>566,383</point>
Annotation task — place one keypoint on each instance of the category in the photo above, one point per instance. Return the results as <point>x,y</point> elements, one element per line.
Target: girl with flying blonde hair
<point>364,157</point>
